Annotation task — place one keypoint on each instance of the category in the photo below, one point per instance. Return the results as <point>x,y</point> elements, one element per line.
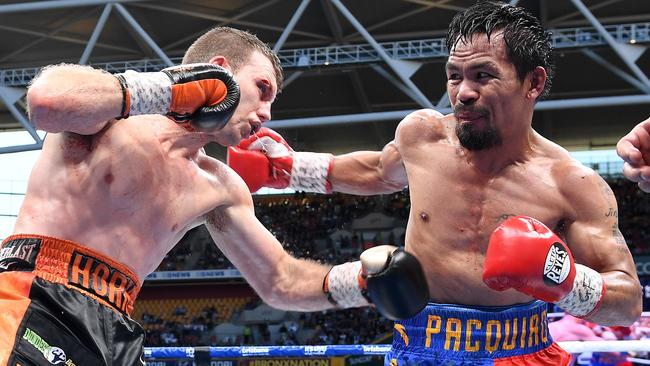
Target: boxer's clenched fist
<point>527,256</point>
<point>205,95</point>
<point>388,277</point>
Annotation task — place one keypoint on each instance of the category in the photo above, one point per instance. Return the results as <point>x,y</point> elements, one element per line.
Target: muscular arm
<point>596,241</point>
<point>369,172</point>
<point>373,172</point>
<point>281,280</point>
<point>73,98</point>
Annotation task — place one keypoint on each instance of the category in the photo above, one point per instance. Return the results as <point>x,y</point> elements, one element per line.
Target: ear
<point>221,61</point>
<point>537,81</point>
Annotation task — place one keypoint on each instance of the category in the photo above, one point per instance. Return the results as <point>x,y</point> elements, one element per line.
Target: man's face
<point>485,93</point>
<point>258,88</point>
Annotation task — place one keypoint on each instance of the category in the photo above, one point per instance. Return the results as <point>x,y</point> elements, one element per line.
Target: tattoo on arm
<point>612,212</point>
<point>620,240</point>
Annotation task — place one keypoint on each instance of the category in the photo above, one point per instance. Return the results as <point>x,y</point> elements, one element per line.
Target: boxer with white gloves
<point>123,175</point>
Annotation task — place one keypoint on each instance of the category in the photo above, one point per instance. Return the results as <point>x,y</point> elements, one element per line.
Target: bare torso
<point>455,207</point>
<point>131,191</point>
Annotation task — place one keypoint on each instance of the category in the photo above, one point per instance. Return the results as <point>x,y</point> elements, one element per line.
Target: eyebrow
<point>481,65</point>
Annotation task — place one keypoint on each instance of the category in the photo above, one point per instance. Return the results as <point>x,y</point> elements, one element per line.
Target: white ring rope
<point>640,361</point>
<point>606,346</point>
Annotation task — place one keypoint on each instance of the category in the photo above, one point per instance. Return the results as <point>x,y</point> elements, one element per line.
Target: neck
<point>515,148</point>
<point>178,140</point>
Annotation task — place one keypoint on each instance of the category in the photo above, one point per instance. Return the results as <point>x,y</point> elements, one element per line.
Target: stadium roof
<point>353,68</point>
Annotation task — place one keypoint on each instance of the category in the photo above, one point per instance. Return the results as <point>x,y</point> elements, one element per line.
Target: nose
<point>264,111</point>
<point>467,92</point>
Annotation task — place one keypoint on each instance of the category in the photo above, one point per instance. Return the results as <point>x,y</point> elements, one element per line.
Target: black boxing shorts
<point>65,304</point>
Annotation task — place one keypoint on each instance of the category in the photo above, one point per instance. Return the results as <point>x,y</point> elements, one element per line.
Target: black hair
<point>527,43</point>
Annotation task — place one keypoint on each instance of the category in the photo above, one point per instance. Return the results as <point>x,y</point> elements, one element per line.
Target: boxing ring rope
<point>187,353</point>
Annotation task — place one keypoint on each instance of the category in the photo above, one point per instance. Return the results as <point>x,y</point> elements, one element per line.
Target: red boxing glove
<point>526,255</point>
<point>265,159</point>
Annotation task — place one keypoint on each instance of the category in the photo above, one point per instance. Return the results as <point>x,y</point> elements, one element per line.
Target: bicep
<point>593,234</point>
<point>369,172</point>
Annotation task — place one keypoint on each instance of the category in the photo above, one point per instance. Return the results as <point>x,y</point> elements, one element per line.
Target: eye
<point>482,75</point>
<point>264,86</point>
<point>453,77</point>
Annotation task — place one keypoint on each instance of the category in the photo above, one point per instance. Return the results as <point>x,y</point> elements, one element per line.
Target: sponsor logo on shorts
<point>511,335</point>
<point>54,355</point>
<point>19,254</point>
<point>102,280</point>
<point>557,266</point>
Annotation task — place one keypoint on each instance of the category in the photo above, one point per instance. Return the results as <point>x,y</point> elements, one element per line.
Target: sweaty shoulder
<point>424,125</point>
<point>230,187</point>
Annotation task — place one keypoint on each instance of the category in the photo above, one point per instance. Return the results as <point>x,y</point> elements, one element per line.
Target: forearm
<point>361,173</point>
<point>73,98</point>
<point>622,302</point>
<point>298,286</point>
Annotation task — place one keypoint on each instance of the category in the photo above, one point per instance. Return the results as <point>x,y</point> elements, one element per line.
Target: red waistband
<point>71,264</point>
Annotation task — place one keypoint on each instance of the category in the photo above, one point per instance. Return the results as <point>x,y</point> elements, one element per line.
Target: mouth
<point>255,127</point>
<point>468,117</point>
<point>471,114</point>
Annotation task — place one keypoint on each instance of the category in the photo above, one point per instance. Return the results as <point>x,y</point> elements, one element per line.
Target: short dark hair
<point>236,45</point>
<point>527,43</point>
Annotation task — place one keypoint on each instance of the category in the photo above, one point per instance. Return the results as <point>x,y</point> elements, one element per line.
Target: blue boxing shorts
<point>446,335</point>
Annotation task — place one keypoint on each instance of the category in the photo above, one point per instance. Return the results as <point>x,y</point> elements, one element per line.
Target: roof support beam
<point>617,71</point>
<point>143,34</point>
<point>337,30</point>
<point>60,24</point>
<point>218,18</point>
<point>55,4</point>
<point>232,20</point>
<point>399,17</point>
<point>564,17</point>
<point>628,53</point>
<point>399,115</point>
<point>403,69</point>
<point>95,35</point>
<point>62,38</point>
<point>292,23</point>
<point>9,97</point>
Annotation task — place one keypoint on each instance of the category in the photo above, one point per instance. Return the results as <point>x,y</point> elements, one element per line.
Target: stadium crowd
<point>302,221</point>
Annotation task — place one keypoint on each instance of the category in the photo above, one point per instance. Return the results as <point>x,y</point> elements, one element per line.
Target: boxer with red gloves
<point>467,173</point>
<point>542,267</point>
